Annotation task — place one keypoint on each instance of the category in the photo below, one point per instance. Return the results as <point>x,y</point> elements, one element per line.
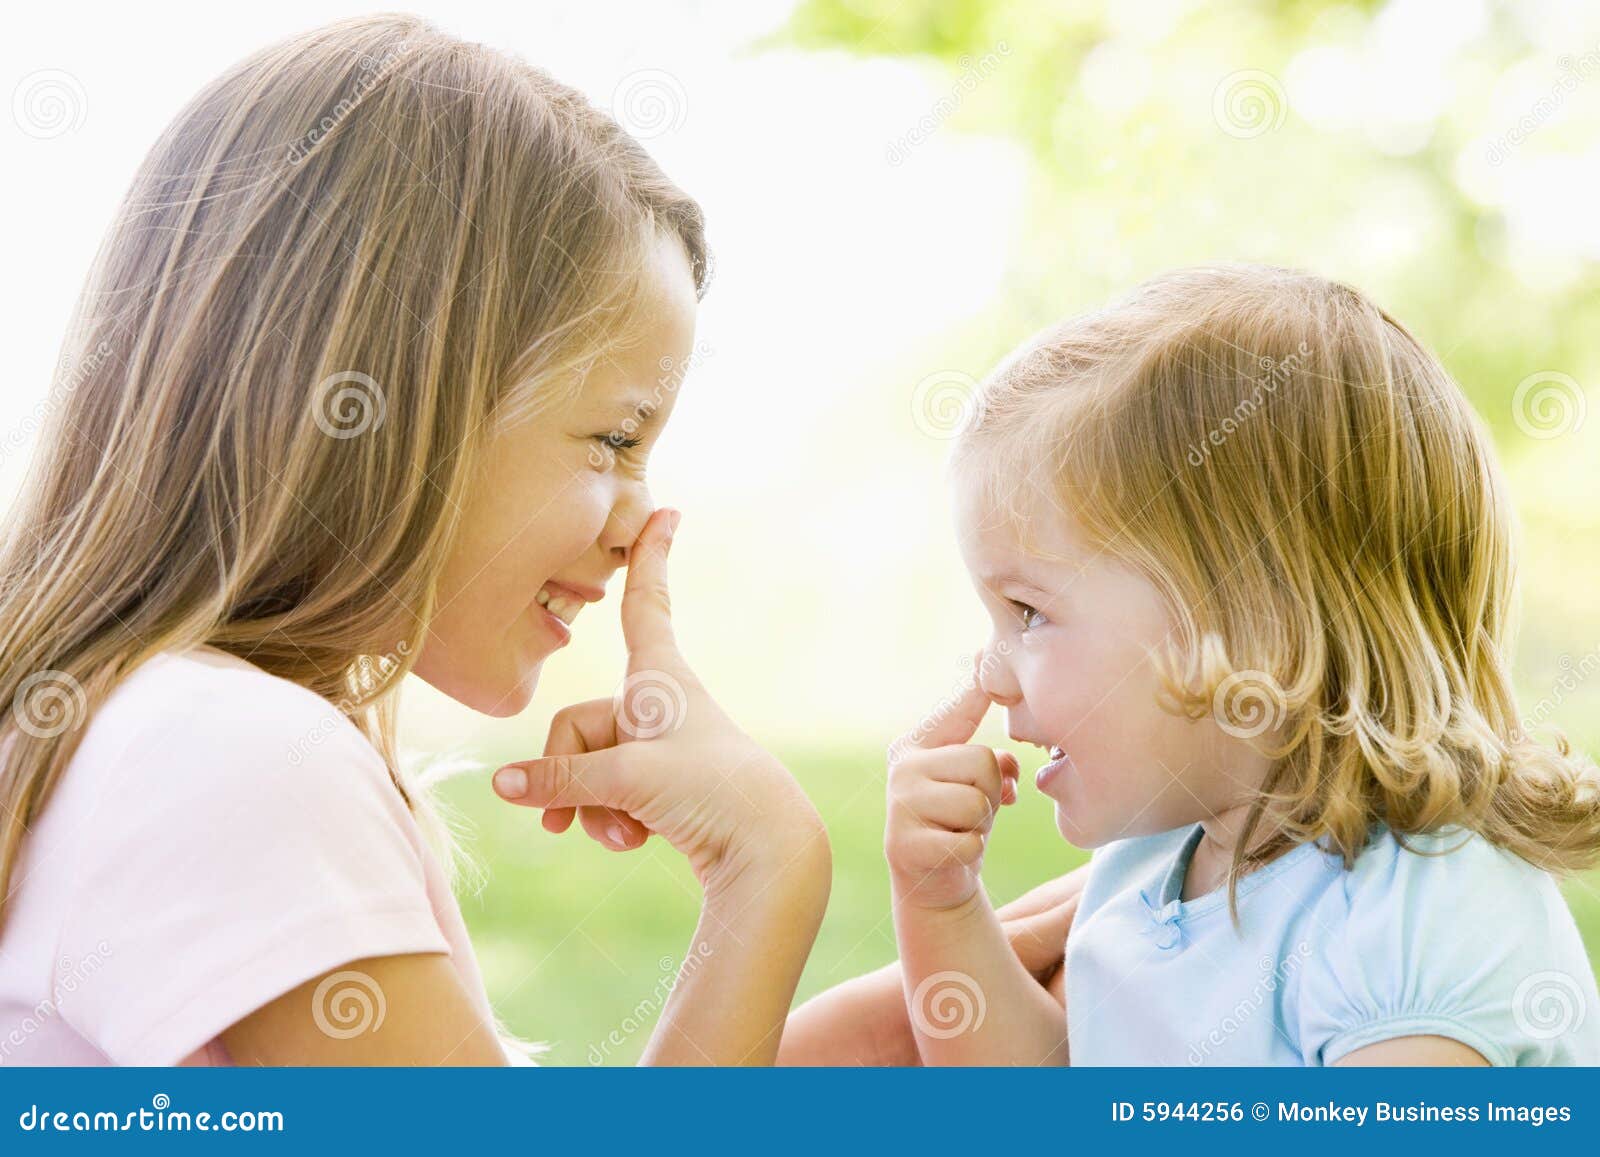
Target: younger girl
<point>1249,565</point>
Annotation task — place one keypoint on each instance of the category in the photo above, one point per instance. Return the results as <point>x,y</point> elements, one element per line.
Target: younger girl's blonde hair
<point>1317,502</point>
<point>348,262</point>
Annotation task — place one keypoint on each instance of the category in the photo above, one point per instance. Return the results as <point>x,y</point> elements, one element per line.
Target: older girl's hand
<point>663,757</point>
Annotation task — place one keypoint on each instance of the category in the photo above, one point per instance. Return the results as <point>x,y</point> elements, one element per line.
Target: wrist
<point>790,871</point>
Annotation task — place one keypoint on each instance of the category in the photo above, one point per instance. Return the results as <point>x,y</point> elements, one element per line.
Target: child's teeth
<point>560,606</point>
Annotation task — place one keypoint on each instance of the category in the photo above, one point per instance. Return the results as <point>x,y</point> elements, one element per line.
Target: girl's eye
<point>1030,617</point>
<point>604,448</point>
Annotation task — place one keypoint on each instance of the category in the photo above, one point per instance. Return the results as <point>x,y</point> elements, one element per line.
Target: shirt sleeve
<point>246,839</point>
<point>1471,944</point>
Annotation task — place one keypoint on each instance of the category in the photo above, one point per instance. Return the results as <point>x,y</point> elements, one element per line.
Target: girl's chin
<point>498,698</point>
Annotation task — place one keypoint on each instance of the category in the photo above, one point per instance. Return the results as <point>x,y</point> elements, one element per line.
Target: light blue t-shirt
<point>1471,943</point>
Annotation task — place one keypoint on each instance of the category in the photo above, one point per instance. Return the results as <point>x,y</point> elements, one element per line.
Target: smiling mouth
<point>560,602</point>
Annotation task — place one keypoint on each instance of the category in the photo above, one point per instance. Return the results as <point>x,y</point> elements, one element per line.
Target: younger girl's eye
<point>1031,617</point>
<point>618,443</point>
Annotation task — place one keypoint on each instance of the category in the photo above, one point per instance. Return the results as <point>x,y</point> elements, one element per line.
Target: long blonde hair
<point>344,263</point>
<point>1318,504</point>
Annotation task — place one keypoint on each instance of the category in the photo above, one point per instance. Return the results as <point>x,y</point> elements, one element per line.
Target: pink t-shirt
<point>220,837</point>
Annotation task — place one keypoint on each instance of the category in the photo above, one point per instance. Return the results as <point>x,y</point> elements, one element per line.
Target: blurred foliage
<point>1115,105</point>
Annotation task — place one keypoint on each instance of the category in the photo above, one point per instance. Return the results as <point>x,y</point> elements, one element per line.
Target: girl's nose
<point>628,516</point>
<point>995,676</point>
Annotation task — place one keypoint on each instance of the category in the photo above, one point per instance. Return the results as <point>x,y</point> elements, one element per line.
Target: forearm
<point>992,1011</point>
<point>739,976</point>
<point>860,1022</point>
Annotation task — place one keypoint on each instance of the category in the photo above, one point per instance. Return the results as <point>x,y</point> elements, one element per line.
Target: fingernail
<point>617,836</point>
<point>672,522</point>
<point>511,783</point>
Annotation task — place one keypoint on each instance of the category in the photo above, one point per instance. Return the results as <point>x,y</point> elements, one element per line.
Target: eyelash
<point>615,443</point>
<point>1026,612</point>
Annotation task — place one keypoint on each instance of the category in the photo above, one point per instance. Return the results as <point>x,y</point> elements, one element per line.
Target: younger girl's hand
<point>943,796</point>
<point>663,757</point>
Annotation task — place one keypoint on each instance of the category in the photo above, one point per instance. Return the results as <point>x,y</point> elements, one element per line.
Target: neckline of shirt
<point>1167,908</point>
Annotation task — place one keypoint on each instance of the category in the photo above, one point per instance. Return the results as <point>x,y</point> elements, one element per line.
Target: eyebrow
<point>1012,578</point>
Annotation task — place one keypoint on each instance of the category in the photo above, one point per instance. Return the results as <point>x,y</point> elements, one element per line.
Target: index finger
<point>952,720</point>
<point>574,730</point>
<point>646,601</point>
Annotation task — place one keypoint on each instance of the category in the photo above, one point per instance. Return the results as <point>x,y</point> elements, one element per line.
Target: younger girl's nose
<point>996,678</point>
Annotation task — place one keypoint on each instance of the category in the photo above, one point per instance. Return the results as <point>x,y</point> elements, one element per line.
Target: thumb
<point>646,600</point>
<point>593,778</point>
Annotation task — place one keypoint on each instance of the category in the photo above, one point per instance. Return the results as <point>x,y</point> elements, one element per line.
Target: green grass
<point>578,944</point>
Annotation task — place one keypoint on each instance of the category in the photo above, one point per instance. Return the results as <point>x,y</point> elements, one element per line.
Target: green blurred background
<point>1442,156</point>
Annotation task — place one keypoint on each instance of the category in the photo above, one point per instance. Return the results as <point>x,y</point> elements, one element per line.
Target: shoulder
<point>200,737</point>
<point>1445,934</point>
<point>203,684</point>
<point>205,703</point>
